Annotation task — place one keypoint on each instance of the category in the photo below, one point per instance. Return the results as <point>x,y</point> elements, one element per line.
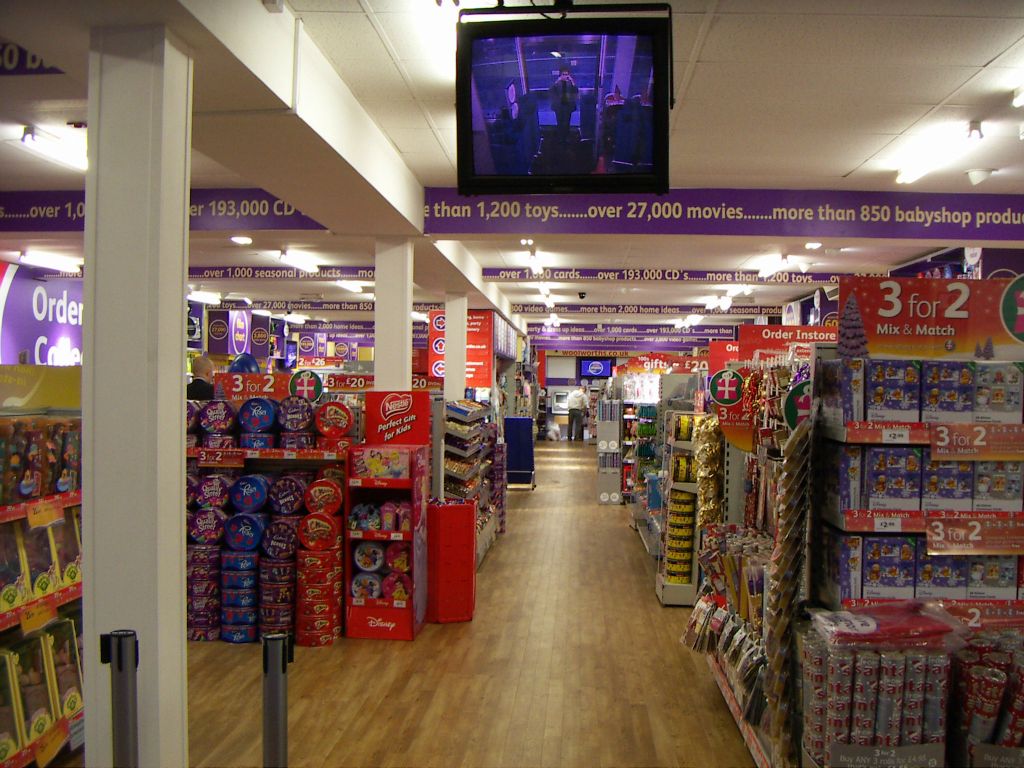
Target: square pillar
<point>455,308</point>
<point>392,325</point>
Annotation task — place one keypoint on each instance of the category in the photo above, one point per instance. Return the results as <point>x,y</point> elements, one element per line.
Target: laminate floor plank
<point>570,661</point>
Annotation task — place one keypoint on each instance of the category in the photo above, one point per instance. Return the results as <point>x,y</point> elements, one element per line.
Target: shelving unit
<point>465,448</point>
<point>608,414</point>
<point>677,579</point>
<point>750,735</point>
<point>398,616</point>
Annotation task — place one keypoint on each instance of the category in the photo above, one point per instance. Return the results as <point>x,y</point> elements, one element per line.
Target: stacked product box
<point>841,390</point>
<point>203,591</point>
<point>320,571</point>
<point>947,391</point>
<point>892,477</point>
<point>893,390</point>
<point>998,392</point>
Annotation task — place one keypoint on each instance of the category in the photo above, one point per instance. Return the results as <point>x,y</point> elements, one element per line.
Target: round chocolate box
<point>280,541</point>
<point>243,532</point>
<point>257,414</point>
<point>217,416</point>
<point>295,414</point>
<point>249,493</point>
<point>287,495</point>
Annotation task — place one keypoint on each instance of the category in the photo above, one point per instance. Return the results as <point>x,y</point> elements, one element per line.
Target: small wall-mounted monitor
<point>594,368</point>
<point>561,105</point>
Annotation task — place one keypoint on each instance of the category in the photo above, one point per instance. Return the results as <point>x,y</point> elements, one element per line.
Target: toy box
<point>998,392</point>
<point>65,666</point>
<point>997,486</point>
<point>69,553</point>
<point>939,575</point>
<point>889,565</point>
<point>13,583</point>
<point>892,390</point>
<point>947,391</point>
<point>380,461</point>
<point>34,687</point>
<point>843,559</point>
<point>41,565</point>
<point>947,485</point>
<point>841,390</point>
<point>892,478</point>
<point>12,728</point>
<point>992,577</point>
<point>842,473</point>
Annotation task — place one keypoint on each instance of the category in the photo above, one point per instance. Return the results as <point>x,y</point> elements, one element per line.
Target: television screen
<point>591,368</point>
<point>563,105</point>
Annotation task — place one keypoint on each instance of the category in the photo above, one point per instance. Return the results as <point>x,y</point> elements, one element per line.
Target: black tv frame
<point>566,20</point>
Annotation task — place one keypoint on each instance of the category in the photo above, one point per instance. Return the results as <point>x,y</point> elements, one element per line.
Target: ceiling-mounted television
<point>561,105</point>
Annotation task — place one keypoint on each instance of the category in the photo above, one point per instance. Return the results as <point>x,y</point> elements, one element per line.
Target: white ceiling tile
<point>1007,8</point>
<point>301,7</point>
<point>419,140</point>
<point>373,80</point>
<point>344,36</point>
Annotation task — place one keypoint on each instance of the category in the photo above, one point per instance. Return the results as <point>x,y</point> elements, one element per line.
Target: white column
<point>133,384</point>
<point>455,347</point>
<point>392,326</point>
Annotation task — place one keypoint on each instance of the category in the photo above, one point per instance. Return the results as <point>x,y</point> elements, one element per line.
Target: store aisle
<point>570,661</point>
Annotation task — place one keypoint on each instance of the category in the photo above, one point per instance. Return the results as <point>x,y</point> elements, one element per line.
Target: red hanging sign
<point>398,417</point>
<point>776,339</point>
<point>479,348</point>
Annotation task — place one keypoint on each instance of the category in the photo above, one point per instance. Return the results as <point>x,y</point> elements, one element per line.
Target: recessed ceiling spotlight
<point>241,240</point>
<point>812,246</point>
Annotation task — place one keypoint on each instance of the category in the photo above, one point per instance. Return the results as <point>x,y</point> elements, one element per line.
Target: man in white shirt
<point>577,402</point>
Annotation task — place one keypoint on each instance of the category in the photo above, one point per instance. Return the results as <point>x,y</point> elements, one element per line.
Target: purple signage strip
<point>318,306</point>
<point>616,331</point>
<point>15,60</point>
<point>632,345</point>
<point>751,212</point>
<point>279,273</point>
<point>211,210</point>
<point>505,274</point>
<point>642,309</point>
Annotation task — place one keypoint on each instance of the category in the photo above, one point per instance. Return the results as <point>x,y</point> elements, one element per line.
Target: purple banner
<point>259,335</point>
<point>40,321</point>
<point>239,337</point>
<point>617,331</point>
<point>663,310</point>
<point>211,210</point>
<point>580,348</point>
<point>15,60</point>
<point>319,306</point>
<point>218,331</point>
<point>499,274</point>
<point>279,273</point>
<point>751,212</point>
<point>1001,262</point>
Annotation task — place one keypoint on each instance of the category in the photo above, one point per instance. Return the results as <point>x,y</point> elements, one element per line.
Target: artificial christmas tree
<point>853,342</point>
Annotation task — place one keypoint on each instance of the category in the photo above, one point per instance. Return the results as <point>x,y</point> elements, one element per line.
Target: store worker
<point>201,387</point>
<point>577,402</point>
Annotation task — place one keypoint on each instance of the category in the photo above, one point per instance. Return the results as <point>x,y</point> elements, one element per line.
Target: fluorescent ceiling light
<point>54,261</point>
<point>349,285</point>
<point>247,301</point>
<point>549,302</point>
<point>544,290</point>
<point>1018,97</point>
<point>241,240</point>
<point>725,302</point>
<point>68,150</point>
<point>368,297</point>
<point>293,318</point>
<point>262,312</point>
<point>941,146</point>
<point>711,303</point>
<point>301,261</point>
<point>692,319</point>
<point>734,290</point>
<point>812,246</point>
<point>536,267</point>
<point>204,297</point>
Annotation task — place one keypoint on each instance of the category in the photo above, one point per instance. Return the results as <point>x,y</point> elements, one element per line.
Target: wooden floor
<point>569,661</point>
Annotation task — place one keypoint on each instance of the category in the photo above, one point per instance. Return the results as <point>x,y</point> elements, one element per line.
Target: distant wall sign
<point>15,60</point>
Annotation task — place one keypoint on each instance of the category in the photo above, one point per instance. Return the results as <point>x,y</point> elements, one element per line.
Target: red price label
<point>978,442</point>
<point>975,533</point>
<point>221,457</point>
<point>348,382</point>
<point>987,614</point>
<point>242,386</point>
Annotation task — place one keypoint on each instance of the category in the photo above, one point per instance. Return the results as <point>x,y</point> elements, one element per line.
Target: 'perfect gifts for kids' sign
<point>928,319</point>
<point>398,417</point>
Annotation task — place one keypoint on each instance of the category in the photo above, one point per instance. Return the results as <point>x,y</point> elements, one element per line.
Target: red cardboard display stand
<point>378,474</point>
<point>451,575</point>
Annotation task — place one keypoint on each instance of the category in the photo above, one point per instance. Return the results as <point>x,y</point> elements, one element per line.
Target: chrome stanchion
<point>278,653</point>
<point>120,649</point>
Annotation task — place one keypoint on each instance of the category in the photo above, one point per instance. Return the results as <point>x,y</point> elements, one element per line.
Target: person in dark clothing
<point>562,97</point>
<point>201,387</point>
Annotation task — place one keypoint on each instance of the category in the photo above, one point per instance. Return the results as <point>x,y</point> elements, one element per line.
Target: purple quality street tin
<point>217,416</point>
<point>206,526</point>
<point>203,572</point>
<point>287,495</point>
<point>191,489</point>
<point>257,415</point>
<point>203,588</point>
<point>238,598</point>
<point>203,618</point>
<point>220,440</point>
<point>202,604</point>
<point>295,414</point>
<point>213,491</point>
<point>238,633</point>
<point>238,615</point>
<point>239,561</point>
<point>199,634</point>
<point>243,532</point>
<point>280,541</point>
<point>238,579</point>
<point>192,408</point>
